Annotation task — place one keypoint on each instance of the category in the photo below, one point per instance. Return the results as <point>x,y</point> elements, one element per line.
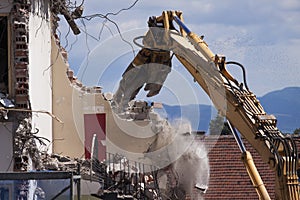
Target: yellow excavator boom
<point>232,99</point>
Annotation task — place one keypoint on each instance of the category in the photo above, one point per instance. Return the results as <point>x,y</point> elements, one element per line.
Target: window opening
<point>3,55</point>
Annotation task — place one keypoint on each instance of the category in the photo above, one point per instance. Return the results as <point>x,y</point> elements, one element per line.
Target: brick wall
<point>228,176</point>
<point>20,16</point>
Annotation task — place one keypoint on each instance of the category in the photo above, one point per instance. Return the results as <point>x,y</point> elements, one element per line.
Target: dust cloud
<point>183,160</point>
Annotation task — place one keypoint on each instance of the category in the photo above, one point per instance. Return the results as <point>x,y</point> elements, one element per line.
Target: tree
<point>217,126</point>
<point>226,130</point>
<point>296,131</point>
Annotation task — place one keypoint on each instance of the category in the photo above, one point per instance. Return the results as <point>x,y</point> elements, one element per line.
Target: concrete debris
<point>190,170</point>
<point>119,178</point>
<point>60,7</point>
<point>61,158</point>
<point>201,187</point>
<point>125,177</point>
<point>122,165</point>
<point>39,192</point>
<point>183,160</point>
<point>77,13</point>
<point>140,110</point>
<point>186,176</point>
<point>137,110</point>
<point>25,147</point>
<point>5,102</point>
<point>3,113</point>
<point>56,162</point>
<point>158,124</point>
<point>22,189</point>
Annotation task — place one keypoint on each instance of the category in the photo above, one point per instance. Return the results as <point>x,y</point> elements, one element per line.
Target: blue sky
<point>263,35</point>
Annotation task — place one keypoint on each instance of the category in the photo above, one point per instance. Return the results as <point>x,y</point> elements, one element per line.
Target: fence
<point>122,177</point>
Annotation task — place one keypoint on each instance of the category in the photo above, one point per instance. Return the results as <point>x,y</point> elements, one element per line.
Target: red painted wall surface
<point>95,124</point>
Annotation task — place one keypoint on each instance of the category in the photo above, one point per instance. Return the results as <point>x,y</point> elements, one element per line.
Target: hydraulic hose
<point>243,69</point>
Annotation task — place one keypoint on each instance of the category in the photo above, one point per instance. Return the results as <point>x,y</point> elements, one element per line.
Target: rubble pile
<point>26,152</point>
<point>119,178</point>
<point>130,178</point>
<point>182,161</point>
<point>137,110</point>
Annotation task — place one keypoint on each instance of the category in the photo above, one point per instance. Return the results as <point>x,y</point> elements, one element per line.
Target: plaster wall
<point>71,101</point>
<point>6,147</point>
<point>67,138</point>
<point>40,84</point>
<point>5,6</point>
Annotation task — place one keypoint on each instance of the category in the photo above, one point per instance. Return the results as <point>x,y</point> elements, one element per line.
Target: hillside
<point>284,104</point>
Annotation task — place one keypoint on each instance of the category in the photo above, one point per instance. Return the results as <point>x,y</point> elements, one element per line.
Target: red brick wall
<point>228,176</point>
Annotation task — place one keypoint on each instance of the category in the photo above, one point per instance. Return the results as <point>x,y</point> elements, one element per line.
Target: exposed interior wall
<point>72,100</point>
<point>66,139</point>
<point>40,85</point>
<point>5,6</point>
<point>128,138</point>
<point>6,126</point>
<point>6,148</point>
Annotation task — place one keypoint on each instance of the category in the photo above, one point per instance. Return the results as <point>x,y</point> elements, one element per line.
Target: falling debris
<point>60,7</point>
<point>191,171</point>
<point>137,110</point>
<point>183,161</point>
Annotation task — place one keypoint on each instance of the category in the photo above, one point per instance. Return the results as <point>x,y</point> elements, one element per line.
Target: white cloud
<point>259,33</point>
<point>290,4</point>
<point>131,24</point>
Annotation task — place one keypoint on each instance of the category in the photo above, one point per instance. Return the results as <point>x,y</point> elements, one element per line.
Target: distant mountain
<point>284,104</point>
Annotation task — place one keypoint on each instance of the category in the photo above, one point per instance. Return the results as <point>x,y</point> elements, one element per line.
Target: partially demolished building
<point>25,46</point>
<point>38,90</point>
<point>50,121</point>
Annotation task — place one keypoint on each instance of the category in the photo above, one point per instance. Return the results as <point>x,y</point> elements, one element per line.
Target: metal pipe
<point>237,138</point>
<point>250,166</point>
<point>198,43</point>
<point>182,25</point>
<point>254,176</point>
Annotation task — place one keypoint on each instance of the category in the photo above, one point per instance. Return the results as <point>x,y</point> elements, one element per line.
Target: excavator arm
<point>233,99</point>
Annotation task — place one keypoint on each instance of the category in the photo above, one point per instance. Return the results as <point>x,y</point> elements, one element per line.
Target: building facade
<point>44,108</point>
<point>25,84</point>
<point>42,99</point>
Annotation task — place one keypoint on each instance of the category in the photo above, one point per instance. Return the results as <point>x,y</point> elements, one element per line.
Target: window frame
<point>9,55</point>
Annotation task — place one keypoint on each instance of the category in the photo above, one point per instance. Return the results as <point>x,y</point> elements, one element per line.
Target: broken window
<point>3,55</point>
